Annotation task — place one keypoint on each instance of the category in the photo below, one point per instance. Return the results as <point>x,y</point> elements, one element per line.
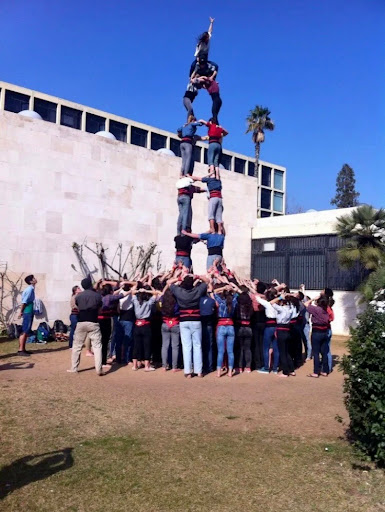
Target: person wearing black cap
<point>88,303</point>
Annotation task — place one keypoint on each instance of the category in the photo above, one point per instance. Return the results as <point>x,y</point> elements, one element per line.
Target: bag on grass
<point>43,333</point>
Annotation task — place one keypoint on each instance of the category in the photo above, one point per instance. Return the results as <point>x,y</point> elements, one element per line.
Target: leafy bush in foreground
<point>364,386</point>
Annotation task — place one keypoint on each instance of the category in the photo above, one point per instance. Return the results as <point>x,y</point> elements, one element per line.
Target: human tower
<point>203,74</point>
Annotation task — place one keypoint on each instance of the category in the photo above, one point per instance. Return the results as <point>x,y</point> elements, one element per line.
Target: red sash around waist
<point>182,253</point>
<point>141,322</point>
<point>225,321</point>
<point>170,322</point>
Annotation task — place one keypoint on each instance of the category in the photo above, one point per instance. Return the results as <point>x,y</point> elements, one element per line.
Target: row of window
<point>16,102</point>
<point>266,200</point>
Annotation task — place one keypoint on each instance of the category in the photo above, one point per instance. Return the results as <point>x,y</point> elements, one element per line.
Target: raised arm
<point>210,30</point>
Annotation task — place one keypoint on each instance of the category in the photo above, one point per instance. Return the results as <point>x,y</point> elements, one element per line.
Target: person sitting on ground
<point>27,312</point>
<point>215,243</point>
<point>88,303</point>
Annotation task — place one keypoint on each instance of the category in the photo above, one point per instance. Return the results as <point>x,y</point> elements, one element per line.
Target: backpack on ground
<point>59,326</point>
<point>43,333</point>
<point>13,331</point>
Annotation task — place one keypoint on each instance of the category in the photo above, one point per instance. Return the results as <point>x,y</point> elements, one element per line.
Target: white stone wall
<point>60,185</point>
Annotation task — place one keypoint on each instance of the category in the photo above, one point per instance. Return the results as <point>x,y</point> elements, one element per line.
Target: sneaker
<point>72,371</point>
<point>263,370</point>
<point>23,353</point>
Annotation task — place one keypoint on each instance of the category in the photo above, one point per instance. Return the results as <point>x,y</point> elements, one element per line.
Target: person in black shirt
<point>88,303</point>
<point>183,246</point>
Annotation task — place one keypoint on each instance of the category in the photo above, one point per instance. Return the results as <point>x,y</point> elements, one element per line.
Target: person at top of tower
<point>203,44</point>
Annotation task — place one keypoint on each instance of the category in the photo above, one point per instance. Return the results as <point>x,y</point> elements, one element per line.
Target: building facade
<point>270,178</point>
<point>302,249</point>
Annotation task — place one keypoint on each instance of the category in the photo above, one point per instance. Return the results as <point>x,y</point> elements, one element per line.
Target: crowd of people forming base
<point>201,323</point>
<point>213,322</point>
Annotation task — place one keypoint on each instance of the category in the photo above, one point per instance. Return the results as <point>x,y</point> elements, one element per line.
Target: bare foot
<point>188,375</point>
<point>89,354</point>
<point>293,374</point>
<point>282,375</point>
<point>219,373</point>
<point>230,373</point>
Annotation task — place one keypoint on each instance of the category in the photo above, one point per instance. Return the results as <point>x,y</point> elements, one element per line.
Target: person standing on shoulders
<point>26,312</point>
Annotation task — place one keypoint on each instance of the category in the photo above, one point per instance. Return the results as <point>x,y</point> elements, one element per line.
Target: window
<point>119,130</point>
<point>266,176</point>
<point>95,123</point>
<point>268,245</point>
<point>16,102</point>
<point>278,180</point>
<point>250,168</point>
<point>139,136</point>
<point>175,146</point>
<point>158,141</point>
<point>197,154</point>
<point>47,109</point>
<point>205,159</point>
<point>226,161</point>
<point>239,165</point>
<point>278,202</point>
<point>265,199</point>
<point>265,214</point>
<point>70,117</point>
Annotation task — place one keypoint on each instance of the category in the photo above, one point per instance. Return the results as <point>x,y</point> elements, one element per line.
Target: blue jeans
<point>74,322</point>
<point>214,153</point>
<point>185,214</point>
<point>27,323</point>
<point>225,334</point>
<point>211,258</point>
<point>123,345</point>
<point>270,341</point>
<point>191,337</point>
<point>186,261</point>
<point>207,346</point>
<point>306,331</point>
<point>330,357</point>
<point>115,322</point>
<point>319,343</point>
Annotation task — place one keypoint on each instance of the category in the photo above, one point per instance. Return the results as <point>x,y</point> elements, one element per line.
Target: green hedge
<point>364,386</point>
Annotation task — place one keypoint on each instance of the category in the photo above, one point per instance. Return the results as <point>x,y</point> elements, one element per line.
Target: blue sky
<point>317,65</point>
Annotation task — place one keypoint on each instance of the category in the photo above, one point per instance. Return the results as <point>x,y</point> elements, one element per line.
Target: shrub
<point>364,385</point>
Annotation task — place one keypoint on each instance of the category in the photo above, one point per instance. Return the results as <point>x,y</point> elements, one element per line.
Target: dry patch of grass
<point>84,444</point>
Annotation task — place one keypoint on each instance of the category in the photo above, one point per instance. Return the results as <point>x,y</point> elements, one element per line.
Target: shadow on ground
<point>33,468</point>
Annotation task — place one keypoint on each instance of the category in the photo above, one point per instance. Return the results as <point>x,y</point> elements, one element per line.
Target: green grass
<point>215,471</point>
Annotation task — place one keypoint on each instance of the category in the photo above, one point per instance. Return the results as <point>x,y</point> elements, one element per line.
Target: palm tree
<point>364,230</point>
<point>257,121</point>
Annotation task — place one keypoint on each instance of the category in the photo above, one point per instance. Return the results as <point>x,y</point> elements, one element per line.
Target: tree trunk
<point>257,151</point>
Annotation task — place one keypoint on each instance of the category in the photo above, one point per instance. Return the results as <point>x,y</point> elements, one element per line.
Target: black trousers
<point>258,330</point>
<point>142,343</point>
<point>105,329</point>
<point>216,106</point>
<point>243,337</point>
<point>285,361</point>
<point>295,345</point>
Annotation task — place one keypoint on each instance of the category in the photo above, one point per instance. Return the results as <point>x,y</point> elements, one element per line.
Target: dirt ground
<point>298,406</point>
